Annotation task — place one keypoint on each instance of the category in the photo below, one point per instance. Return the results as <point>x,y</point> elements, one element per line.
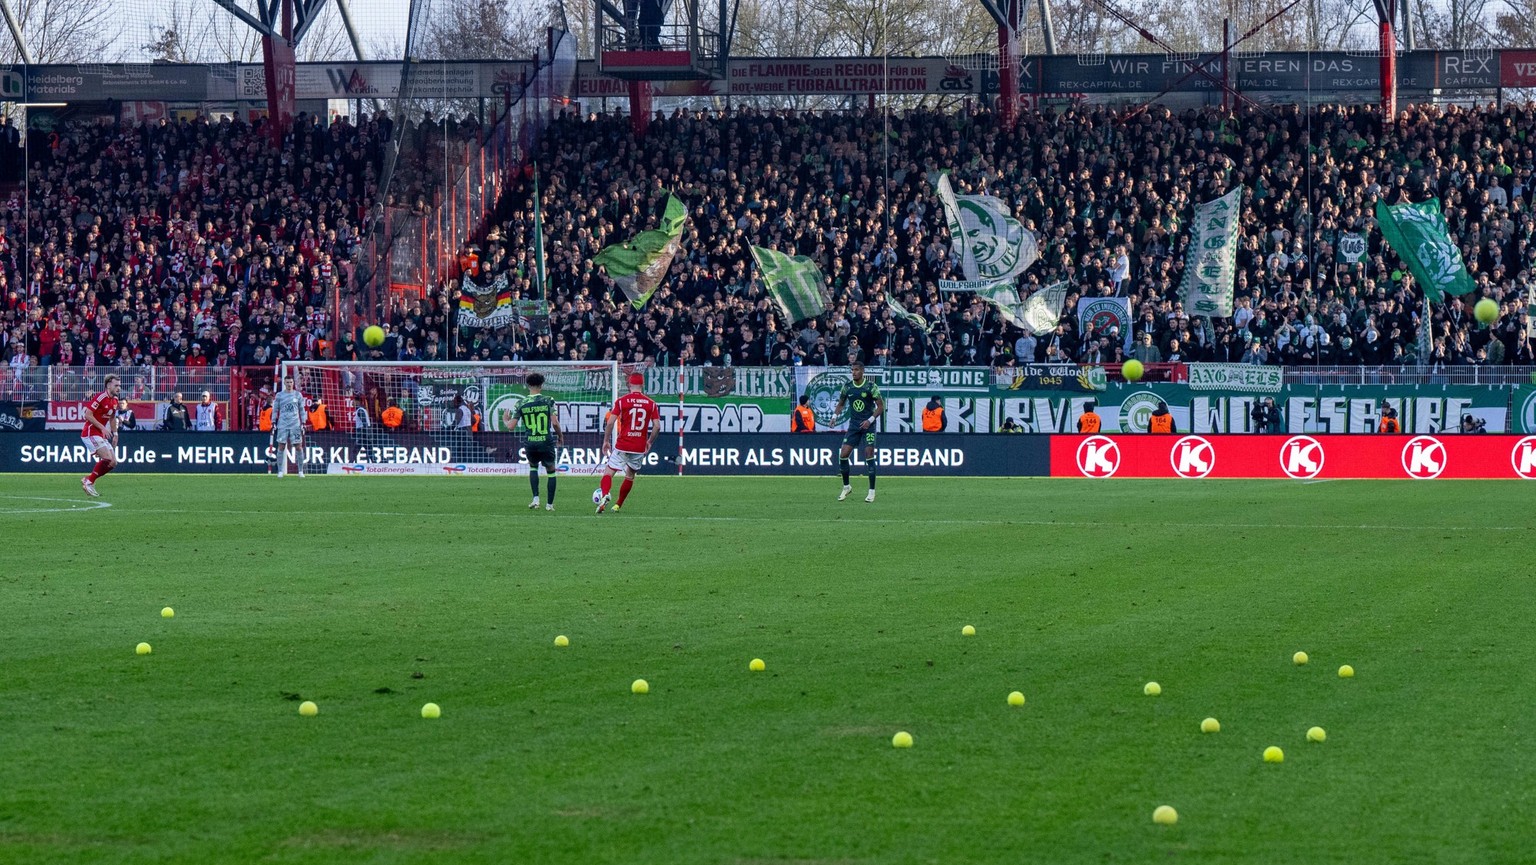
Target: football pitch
<point>372,597</point>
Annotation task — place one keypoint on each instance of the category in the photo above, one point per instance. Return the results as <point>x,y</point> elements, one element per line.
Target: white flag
<point>990,244</point>
<point>1210,269</point>
<point>1043,308</point>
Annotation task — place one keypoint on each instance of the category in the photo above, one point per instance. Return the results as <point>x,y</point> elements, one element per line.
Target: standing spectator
<point>207,415</point>
<point>176,415</point>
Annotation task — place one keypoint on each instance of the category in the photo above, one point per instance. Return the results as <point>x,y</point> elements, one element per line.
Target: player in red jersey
<point>100,432</point>
<point>634,417</point>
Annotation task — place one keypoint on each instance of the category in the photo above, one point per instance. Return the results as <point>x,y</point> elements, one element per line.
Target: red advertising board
<point>1303,457</point>
<point>1517,68</point>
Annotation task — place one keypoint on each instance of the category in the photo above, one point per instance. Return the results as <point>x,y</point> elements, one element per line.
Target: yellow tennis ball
<point>1210,725</point>
<point>902,739</point>
<point>756,665</point>
<point>308,709</point>
<point>1346,672</point>
<point>1486,310</point>
<point>562,640</point>
<point>1164,815</point>
<point>640,686</point>
<point>968,631</point>
<point>1300,658</point>
<point>373,336</point>
<point>1016,698</point>
<point>431,710</point>
<point>1132,370</point>
<point>1152,689</point>
<point>167,613</point>
<point>1273,754</point>
<point>143,649</point>
<point>1317,734</point>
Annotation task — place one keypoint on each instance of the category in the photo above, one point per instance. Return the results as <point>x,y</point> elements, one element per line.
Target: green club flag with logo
<point>639,264</point>
<point>900,313</point>
<point>1420,237</point>
<point>795,283</point>
<point>989,243</point>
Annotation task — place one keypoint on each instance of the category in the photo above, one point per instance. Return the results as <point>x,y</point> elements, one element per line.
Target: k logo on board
<point>1424,457</point>
<point>1301,457</point>
<point>1192,457</point>
<point>1523,458</point>
<point>1098,457</point>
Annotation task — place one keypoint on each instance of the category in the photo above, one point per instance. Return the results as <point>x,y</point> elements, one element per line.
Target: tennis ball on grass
<point>1346,672</point>
<point>1317,734</point>
<point>431,710</point>
<point>143,649</point>
<point>167,613</point>
<point>1273,754</point>
<point>902,739</point>
<point>756,665</point>
<point>968,631</point>
<point>640,686</point>
<point>1152,689</point>
<point>1164,815</point>
<point>1016,699</point>
<point>1210,725</point>
<point>1300,658</point>
<point>308,709</point>
<point>562,641</point>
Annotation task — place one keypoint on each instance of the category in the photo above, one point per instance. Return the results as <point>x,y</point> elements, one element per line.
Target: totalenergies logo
<point>455,469</point>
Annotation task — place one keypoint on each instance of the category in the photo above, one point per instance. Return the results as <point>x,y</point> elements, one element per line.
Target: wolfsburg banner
<point>988,243</point>
<point>1212,262</point>
<point>1420,236</point>
<point>1235,376</point>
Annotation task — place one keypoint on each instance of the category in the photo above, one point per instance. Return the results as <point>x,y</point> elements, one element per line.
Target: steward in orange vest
<point>933,416</point>
<point>1090,422</point>
<point>1389,423</point>
<point>393,416</point>
<point>317,419</point>
<point>802,419</point>
<point>1161,421</point>
<point>264,420</point>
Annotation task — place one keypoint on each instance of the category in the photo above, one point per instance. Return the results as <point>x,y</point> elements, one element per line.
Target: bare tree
<point>65,31</point>
<point>1452,24</point>
<point>487,29</point>
<point>197,31</point>
<point>1515,23</point>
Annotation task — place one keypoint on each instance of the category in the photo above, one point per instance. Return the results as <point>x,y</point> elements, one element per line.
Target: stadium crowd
<point>200,244</point>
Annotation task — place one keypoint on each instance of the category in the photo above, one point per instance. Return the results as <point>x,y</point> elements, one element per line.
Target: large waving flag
<point>1042,310</point>
<point>639,264</point>
<point>990,244</point>
<point>795,283</point>
<point>1420,237</point>
<point>1210,268</point>
<point>900,313</point>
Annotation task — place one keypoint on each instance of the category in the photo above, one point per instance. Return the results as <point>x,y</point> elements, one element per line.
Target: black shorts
<point>857,438</point>
<point>540,454</point>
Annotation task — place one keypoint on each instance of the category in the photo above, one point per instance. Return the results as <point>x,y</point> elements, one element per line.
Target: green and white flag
<point>1420,237</point>
<point>989,243</point>
<point>900,313</point>
<point>1351,248</point>
<point>1043,308</point>
<point>794,282</point>
<point>538,237</point>
<point>639,264</point>
<point>1210,269</point>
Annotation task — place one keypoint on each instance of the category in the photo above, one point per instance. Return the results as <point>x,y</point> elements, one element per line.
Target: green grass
<point>374,596</point>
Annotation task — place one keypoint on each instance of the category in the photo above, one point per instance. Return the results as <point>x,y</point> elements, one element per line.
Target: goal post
<point>447,417</point>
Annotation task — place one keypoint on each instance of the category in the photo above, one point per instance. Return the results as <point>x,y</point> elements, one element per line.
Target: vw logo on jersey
<point>1098,457</point>
<point>1424,457</point>
<point>1523,457</point>
<point>1192,457</point>
<point>1301,457</point>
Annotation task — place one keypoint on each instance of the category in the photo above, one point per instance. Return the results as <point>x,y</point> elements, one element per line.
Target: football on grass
<point>597,495</point>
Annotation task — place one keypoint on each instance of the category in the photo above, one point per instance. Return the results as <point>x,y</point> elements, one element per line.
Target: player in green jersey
<point>864,404</point>
<point>538,416</point>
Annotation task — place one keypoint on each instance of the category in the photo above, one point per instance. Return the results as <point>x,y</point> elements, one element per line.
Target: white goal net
<point>446,418</point>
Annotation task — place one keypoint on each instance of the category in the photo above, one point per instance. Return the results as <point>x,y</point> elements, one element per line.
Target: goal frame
<point>372,450</point>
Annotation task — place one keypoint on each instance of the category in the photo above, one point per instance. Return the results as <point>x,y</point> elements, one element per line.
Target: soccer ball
<point>373,336</point>
<point>597,495</point>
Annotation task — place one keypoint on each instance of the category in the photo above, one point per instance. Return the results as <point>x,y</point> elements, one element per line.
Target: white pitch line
<point>629,517</point>
<point>77,505</point>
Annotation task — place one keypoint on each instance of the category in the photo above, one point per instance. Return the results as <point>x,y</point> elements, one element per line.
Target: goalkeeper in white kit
<point>288,427</point>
